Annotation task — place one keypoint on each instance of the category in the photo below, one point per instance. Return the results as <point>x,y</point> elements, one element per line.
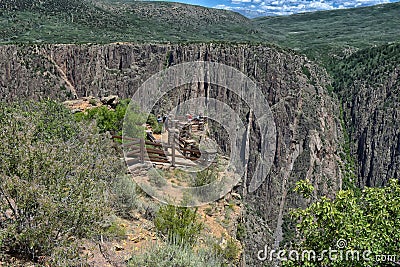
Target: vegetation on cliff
<point>55,182</point>
<point>354,229</point>
<point>62,183</point>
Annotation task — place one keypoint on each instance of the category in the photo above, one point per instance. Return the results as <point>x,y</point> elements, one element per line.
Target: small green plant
<point>240,231</point>
<point>156,178</point>
<point>229,251</point>
<point>125,194</point>
<point>208,211</point>
<point>330,89</point>
<point>115,230</point>
<point>179,225</point>
<point>205,176</point>
<point>155,125</point>
<point>93,102</point>
<point>168,255</point>
<point>305,188</point>
<point>178,174</point>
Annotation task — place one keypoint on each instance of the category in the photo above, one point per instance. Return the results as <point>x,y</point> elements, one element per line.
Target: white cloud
<point>254,8</point>
<point>319,6</point>
<point>240,1</point>
<point>223,7</point>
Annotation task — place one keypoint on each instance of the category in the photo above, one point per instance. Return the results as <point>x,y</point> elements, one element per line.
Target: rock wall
<point>376,136</point>
<point>369,86</point>
<point>308,128</point>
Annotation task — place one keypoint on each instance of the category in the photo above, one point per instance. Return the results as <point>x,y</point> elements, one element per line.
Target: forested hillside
<point>81,21</point>
<point>321,35</point>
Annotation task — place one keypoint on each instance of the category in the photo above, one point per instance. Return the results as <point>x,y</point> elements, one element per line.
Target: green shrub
<point>155,125</point>
<point>306,72</point>
<point>133,121</point>
<point>106,119</point>
<point>366,221</point>
<point>54,177</point>
<point>179,225</point>
<point>170,255</point>
<point>125,194</point>
<point>114,230</point>
<point>93,102</point>
<point>241,231</point>
<point>205,176</point>
<point>229,252</point>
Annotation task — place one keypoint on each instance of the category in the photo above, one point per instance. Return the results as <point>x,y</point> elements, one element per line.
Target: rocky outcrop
<point>376,136</point>
<point>368,83</point>
<point>308,126</point>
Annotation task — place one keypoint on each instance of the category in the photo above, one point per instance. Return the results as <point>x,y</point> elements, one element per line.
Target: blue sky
<point>252,8</point>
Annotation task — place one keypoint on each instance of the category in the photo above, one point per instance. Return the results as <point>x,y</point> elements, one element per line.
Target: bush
<point>93,102</point>
<point>179,225</point>
<point>133,122</point>
<point>205,176</point>
<point>125,195</point>
<point>155,125</point>
<point>54,176</point>
<point>366,221</point>
<point>241,231</point>
<point>114,229</point>
<point>173,255</point>
<point>229,252</point>
<point>106,119</point>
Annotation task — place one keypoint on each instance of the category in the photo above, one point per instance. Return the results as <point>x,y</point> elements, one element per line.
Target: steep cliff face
<point>309,134</point>
<point>369,84</point>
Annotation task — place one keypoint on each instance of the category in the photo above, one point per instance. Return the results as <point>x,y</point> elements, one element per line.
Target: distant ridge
<point>106,21</point>
<point>336,32</point>
<point>320,35</point>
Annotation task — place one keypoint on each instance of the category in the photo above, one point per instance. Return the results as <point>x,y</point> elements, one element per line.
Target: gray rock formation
<point>369,86</point>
